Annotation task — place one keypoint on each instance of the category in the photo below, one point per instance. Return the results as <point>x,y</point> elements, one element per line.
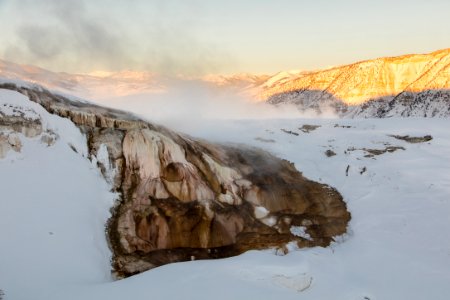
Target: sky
<point>193,37</point>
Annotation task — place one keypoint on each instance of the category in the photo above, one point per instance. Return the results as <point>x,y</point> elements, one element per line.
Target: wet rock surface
<point>374,152</point>
<point>306,128</point>
<point>183,199</point>
<point>413,139</point>
<point>370,153</point>
<point>330,153</point>
<point>289,131</point>
<point>264,140</point>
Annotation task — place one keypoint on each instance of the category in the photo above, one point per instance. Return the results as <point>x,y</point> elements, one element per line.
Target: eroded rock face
<point>184,199</point>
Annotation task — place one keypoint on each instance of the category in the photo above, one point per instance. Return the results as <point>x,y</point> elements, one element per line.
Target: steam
<point>81,35</point>
<point>161,37</point>
<point>190,105</point>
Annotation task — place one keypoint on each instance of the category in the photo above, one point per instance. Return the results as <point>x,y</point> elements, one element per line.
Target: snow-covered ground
<point>53,209</point>
<point>54,203</point>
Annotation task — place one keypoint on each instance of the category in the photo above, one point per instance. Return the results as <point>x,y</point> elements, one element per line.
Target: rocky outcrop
<point>184,199</point>
<point>15,123</point>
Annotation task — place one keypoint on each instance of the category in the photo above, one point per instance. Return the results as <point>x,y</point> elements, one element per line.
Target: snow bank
<point>53,209</point>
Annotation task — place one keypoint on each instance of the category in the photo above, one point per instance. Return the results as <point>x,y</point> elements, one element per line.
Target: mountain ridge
<point>365,80</point>
<point>367,88</point>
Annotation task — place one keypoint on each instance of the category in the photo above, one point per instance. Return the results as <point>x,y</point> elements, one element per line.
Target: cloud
<point>80,35</point>
<point>63,34</point>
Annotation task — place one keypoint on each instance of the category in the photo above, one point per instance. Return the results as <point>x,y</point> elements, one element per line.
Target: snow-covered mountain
<point>101,85</point>
<point>97,85</point>
<point>409,85</point>
<point>242,81</point>
<point>252,85</point>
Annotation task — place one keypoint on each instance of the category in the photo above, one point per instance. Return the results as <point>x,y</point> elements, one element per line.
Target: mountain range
<point>408,85</point>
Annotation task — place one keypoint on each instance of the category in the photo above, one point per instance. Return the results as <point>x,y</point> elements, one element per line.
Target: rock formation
<point>15,122</point>
<point>183,199</point>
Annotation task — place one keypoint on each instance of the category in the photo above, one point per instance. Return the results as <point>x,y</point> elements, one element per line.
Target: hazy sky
<point>194,37</point>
